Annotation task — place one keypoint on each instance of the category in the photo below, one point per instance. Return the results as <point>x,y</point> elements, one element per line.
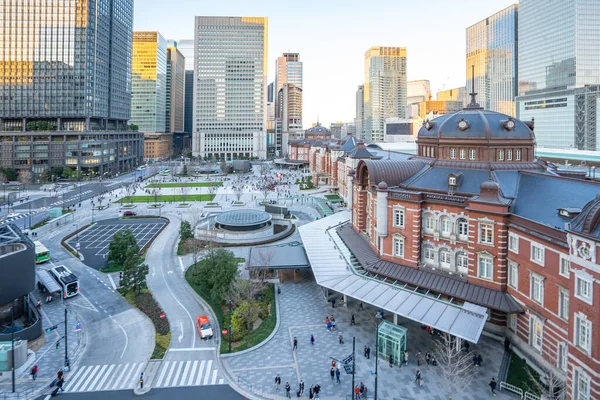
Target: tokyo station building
<point>472,221</point>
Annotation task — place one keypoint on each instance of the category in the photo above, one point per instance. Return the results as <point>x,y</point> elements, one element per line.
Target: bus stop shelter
<point>47,281</point>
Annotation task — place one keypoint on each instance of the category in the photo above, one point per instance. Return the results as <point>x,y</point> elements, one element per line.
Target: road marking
<point>181,334</point>
<point>199,376</point>
<point>135,374</point>
<point>185,372</point>
<point>171,370</point>
<point>97,377</point>
<point>124,333</point>
<point>221,381</point>
<point>76,376</point>
<point>181,264</point>
<point>162,373</point>
<point>193,349</point>
<point>112,282</point>
<point>214,378</point>
<point>177,374</point>
<point>207,376</point>
<point>191,378</point>
<point>86,381</point>
<point>129,376</point>
<point>105,377</point>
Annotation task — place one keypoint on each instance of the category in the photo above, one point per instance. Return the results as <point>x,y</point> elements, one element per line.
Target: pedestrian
<point>312,339</point>
<point>34,371</point>
<point>419,358</point>
<point>365,352</point>
<point>493,386</point>
<point>277,381</point>
<point>356,392</point>
<point>368,353</point>
<point>311,392</point>
<point>329,326</point>
<point>332,303</point>
<point>287,390</point>
<point>428,358</point>
<point>405,357</point>
<point>433,360</point>
<point>391,360</point>
<point>295,344</point>
<point>301,387</point>
<point>60,383</point>
<point>341,338</point>
<point>506,344</point>
<point>337,375</point>
<point>327,320</point>
<point>352,322</point>
<point>317,391</point>
<point>418,379</point>
<point>59,374</point>
<point>466,344</point>
<point>332,373</point>
<point>333,323</point>
<point>360,306</point>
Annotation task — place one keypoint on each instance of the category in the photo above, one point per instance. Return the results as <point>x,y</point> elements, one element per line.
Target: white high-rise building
<point>384,89</point>
<point>230,87</point>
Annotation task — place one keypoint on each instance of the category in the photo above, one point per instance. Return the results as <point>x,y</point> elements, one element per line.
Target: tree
<point>184,191</point>
<point>185,231</point>
<point>265,188</point>
<point>241,290</point>
<point>265,258</point>
<point>133,127</point>
<point>155,193</point>
<point>134,273</point>
<point>212,189</point>
<point>224,168</point>
<point>185,170</point>
<point>119,246</point>
<point>456,366</point>
<point>2,176</point>
<point>248,311</point>
<point>551,388</point>
<point>25,177</point>
<point>67,173</point>
<point>10,174</point>
<point>238,191</point>
<point>218,269</point>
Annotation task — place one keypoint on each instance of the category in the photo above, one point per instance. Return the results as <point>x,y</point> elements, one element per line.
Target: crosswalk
<point>84,195</point>
<point>90,378</point>
<point>19,216</point>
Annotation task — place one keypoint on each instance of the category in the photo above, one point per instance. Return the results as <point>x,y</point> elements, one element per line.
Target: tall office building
<point>457,94</point>
<point>288,69</point>
<point>492,50</point>
<point>416,92</point>
<point>186,47</point>
<point>559,71</point>
<point>271,92</point>
<point>360,112</point>
<point>288,99</point>
<point>384,89</point>
<point>149,81</point>
<point>65,66</point>
<point>175,104</point>
<point>230,73</point>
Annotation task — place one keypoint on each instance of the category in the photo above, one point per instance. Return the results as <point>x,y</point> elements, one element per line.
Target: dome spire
<point>473,94</point>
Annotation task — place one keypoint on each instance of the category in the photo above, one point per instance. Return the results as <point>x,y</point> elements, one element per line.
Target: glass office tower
<point>65,63</point>
<point>492,50</point>
<point>230,72</point>
<point>149,81</point>
<point>384,89</point>
<point>559,70</point>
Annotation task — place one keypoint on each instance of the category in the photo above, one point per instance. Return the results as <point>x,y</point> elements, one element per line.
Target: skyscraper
<point>65,69</point>
<point>186,47</point>
<point>65,62</point>
<point>384,89</point>
<point>416,92</point>
<point>492,50</point>
<point>288,98</point>
<point>175,104</point>
<point>230,72</point>
<point>559,71</point>
<point>149,81</point>
<point>360,112</point>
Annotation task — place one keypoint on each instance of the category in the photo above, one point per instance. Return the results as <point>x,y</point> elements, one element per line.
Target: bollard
<point>142,380</point>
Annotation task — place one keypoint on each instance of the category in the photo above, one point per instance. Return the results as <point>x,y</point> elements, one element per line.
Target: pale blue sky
<point>333,35</point>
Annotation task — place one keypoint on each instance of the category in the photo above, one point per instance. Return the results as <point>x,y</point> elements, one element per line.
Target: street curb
<point>141,392</point>
<point>264,342</point>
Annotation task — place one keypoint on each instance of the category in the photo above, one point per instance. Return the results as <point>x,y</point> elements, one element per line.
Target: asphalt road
<point>220,392</point>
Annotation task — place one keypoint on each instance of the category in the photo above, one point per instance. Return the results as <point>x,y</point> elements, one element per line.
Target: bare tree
<point>155,193</point>
<point>264,256</point>
<point>265,188</point>
<point>245,291</point>
<point>264,169</point>
<point>212,190</point>
<point>184,191</point>
<point>25,177</point>
<point>550,386</point>
<point>456,366</point>
<point>238,191</point>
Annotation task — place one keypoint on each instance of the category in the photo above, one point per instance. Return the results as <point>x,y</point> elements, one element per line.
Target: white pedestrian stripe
<point>92,378</point>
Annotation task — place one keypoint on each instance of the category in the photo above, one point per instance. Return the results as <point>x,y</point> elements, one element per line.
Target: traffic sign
<point>224,331</point>
<point>78,326</point>
<point>78,246</point>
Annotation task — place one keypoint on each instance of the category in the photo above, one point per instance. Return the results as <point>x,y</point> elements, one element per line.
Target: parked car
<point>129,214</point>
<point>204,328</point>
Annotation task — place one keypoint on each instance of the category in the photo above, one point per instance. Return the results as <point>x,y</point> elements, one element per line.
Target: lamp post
<point>376,354</point>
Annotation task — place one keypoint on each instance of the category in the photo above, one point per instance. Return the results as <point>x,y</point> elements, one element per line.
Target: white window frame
<point>562,356</point>
<point>513,274</point>
<point>563,303</point>
<point>463,222</point>
<point>501,155</point>
<point>427,218</point>
<point>536,288</point>
<point>452,181</point>
<point>535,256</point>
<point>588,296</point>
<point>581,387</point>
<point>445,220</point>
<point>398,220</point>
<point>463,154</point>
<point>564,266</point>
<point>518,154</point>
<point>446,254</point>
<point>398,246</point>
<point>472,154</point>
<point>488,271</point>
<point>464,257</point>
<point>513,243</point>
<point>453,153</point>
<point>536,340</point>
<point>481,236</point>
<point>513,320</point>
<point>582,335</point>
<point>509,155</point>
<point>428,249</point>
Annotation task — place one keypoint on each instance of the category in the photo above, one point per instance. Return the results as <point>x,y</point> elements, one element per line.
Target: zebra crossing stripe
<point>191,378</point>
<point>185,372</point>
<point>78,374</point>
<point>199,377</point>
<point>214,378</point>
<point>134,378</point>
<point>162,373</point>
<point>96,377</point>
<point>84,381</point>
<point>101,383</point>
<point>117,382</point>
<point>177,375</point>
<point>207,376</point>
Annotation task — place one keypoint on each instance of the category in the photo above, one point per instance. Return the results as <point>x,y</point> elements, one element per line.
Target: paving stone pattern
<point>303,308</point>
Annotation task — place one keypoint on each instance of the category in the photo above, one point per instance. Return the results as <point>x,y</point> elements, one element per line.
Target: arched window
<point>428,254</point>
<point>445,258</point>
<point>445,226</point>
<point>462,262</point>
<point>462,226</point>
<point>428,223</point>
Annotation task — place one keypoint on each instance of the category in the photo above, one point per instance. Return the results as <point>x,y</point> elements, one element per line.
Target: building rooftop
<point>243,218</point>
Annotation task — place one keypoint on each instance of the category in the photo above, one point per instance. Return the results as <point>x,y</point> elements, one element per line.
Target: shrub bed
<point>145,302</point>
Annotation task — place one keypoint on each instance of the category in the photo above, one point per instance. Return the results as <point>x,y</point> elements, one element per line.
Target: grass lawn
<point>519,376</point>
<point>166,197</point>
<point>184,184</point>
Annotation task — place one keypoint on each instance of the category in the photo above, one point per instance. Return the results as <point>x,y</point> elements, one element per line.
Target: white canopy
<point>330,261</point>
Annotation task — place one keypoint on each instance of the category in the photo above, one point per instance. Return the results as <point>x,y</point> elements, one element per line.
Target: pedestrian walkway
<point>93,378</point>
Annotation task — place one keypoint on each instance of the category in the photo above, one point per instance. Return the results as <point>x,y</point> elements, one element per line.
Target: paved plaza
<point>95,240</point>
<point>303,308</point>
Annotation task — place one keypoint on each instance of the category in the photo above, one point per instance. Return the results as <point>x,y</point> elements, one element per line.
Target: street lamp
<point>377,354</point>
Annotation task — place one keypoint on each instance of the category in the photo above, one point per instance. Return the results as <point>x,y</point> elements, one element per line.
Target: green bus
<point>42,254</point>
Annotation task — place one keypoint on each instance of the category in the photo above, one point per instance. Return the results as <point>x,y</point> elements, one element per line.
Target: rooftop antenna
<point>473,94</point>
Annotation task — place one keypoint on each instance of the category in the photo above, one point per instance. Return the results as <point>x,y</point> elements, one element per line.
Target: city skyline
<point>330,91</point>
